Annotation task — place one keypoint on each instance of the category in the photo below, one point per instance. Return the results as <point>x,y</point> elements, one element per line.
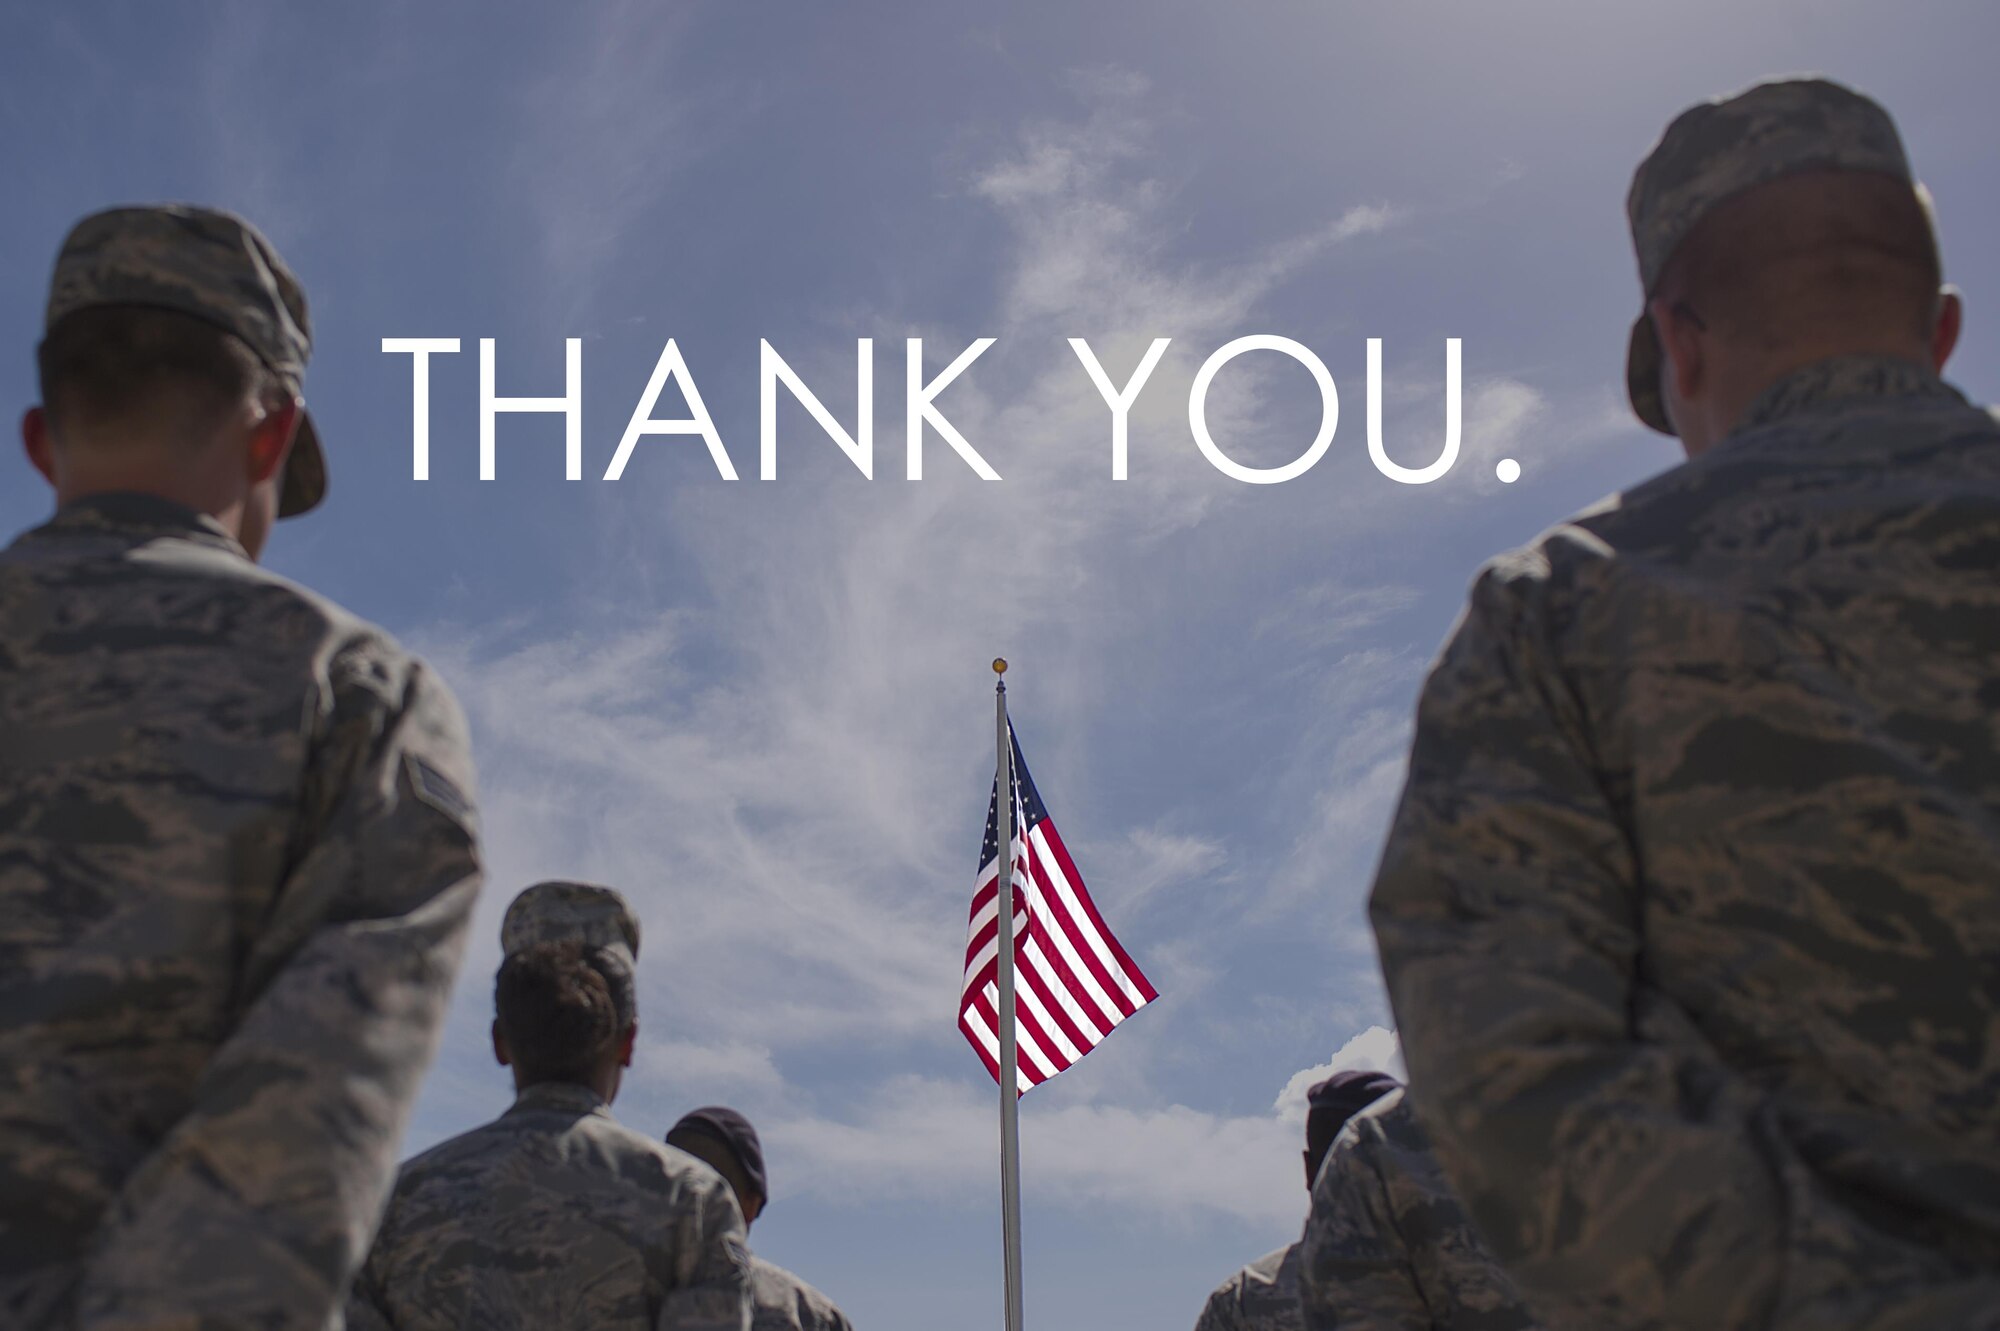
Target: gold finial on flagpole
<point>999,665</point>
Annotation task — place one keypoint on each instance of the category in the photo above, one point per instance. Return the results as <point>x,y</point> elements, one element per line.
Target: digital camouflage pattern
<point>563,912</point>
<point>213,266</point>
<point>1388,1247</point>
<point>1716,150</point>
<point>1263,1296</point>
<point>237,858</point>
<point>783,1302</point>
<point>1689,912</point>
<point>555,1217</point>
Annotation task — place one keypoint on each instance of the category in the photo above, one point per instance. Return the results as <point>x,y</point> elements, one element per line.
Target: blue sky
<point>762,708</point>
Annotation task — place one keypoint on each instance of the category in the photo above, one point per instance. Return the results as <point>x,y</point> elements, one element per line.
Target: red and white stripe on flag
<point>1073,983</point>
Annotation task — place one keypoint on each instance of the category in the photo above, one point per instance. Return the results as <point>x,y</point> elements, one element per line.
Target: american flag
<point>1072,981</point>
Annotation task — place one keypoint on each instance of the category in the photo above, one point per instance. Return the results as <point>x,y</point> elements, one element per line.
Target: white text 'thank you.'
<point>920,408</point>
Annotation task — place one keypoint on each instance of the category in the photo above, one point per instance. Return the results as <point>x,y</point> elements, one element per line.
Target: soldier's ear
<point>625,1044</point>
<point>503,1055</point>
<point>1944,334</point>
<point>1679,331</point>
<point>271,440</point>
<point>35,440</point>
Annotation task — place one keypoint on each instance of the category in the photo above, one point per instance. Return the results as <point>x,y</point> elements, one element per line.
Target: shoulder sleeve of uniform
<point>782,1300</point>
<point>1506,910</point>
<point>280,1167</point>
<point>390,745</point>
<point>818,1312</point>
<point>1224,1309</point>
<point>713,1263</point>
<point>1354,1266</point>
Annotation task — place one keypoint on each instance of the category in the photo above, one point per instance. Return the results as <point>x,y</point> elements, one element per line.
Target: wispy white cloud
<point>605,128</point>
<point>1314,619</point>
<point>1505,418</point>
<point>247,153</point>
<point>1360,741</point>
<point>713,1072</point>
<point>934,1139</point>
<point>1149,859</point>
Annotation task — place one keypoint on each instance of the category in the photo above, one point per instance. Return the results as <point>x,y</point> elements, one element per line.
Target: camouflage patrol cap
<point>562,912</point>
<point>1718,149</point>
<point>216,267</point>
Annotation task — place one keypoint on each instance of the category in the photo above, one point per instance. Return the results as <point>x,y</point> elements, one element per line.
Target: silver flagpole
<point>1010,1131</point>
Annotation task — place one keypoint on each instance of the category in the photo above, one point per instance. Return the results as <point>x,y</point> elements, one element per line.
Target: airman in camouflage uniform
<point>780,1301</point>
<point>1689,912</point>
<point>1264,1296</point>
<point>1388,1247</point>
<point>555,1217</point>
<point>237,848</point>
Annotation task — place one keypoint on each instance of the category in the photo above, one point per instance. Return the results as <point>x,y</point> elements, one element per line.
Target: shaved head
<point>1800,258</point>
<point>139,373</point>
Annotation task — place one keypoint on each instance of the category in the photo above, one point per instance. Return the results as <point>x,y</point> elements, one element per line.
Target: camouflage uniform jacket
<point>1263,1296</point>
<point>556,1217</point>
<point>1388,1248</point>
<point>783,1302</point>
<point>1689,913</point>
<point>236,863</point>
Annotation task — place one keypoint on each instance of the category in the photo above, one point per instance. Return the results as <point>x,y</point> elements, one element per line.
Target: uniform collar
<point>1840,382</point>
<point>141,514</point>
<point>564,1096</point>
